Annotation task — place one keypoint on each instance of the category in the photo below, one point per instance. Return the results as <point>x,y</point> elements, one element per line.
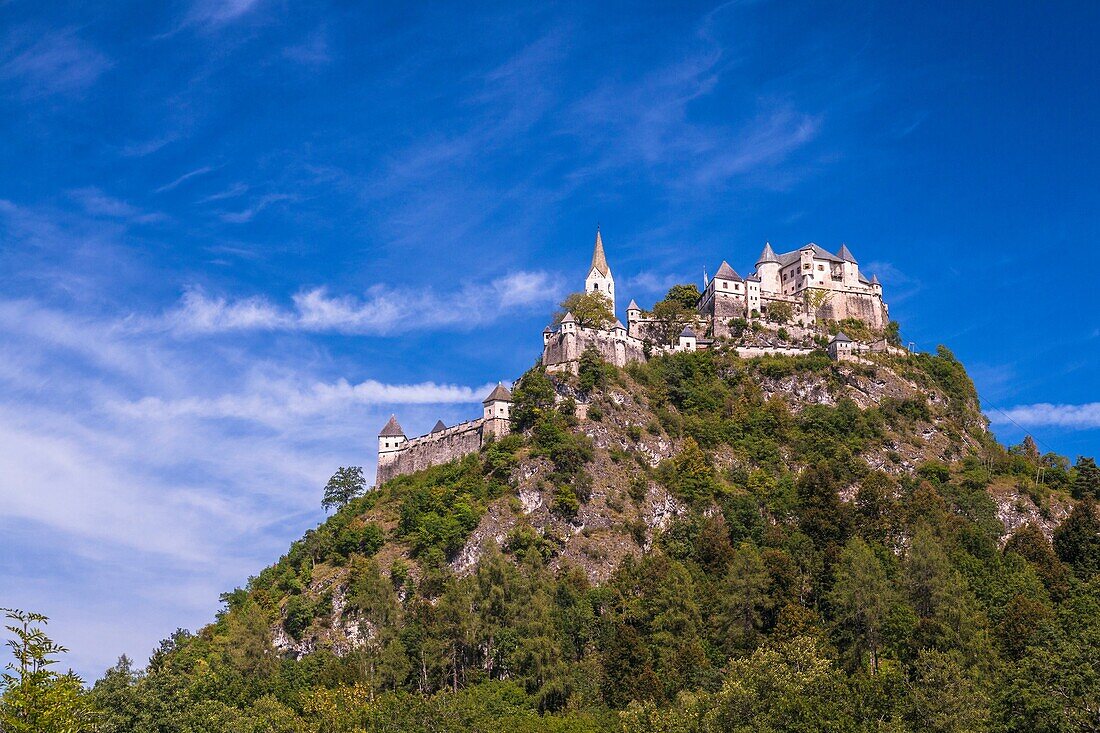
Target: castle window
<point>725,284</point>
<point>821,268</point>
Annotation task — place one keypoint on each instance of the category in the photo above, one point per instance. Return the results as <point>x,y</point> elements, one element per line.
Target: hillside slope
<point>648,538</point>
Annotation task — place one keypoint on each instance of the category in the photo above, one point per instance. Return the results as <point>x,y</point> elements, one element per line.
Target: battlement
<point>398,455</point>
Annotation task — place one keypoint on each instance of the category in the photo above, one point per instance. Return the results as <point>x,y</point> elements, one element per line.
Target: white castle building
<point>813,284</point>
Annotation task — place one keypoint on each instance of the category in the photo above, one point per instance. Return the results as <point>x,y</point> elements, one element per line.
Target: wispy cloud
<point>97,203</point>
<point>185,177</point>
<point>54,62</point>
<point>276,403</point>
<point>1081,417</point>
<point>384,310</point>
<point>219,12</point>
<point>246,215</point>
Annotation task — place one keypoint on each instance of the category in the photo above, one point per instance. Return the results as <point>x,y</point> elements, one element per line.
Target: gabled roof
<point>439,426</point>
<point>753,278</point>
<point>687,333</point>
<point>768,255</point>
<point>725,272</point>
<point>599,259</point>
<point>841,337</point>
<point>863,279</point>
<point>633,306</point>
<point>846,255</point>
<point>392,429</point>
<point>500,393</point>
<point>819,253</point>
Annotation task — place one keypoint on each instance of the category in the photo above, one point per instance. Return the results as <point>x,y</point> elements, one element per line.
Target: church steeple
<point>599,259</point>
<point>599,277</point>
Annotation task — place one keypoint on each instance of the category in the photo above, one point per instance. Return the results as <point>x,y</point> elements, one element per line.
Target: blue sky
<point>235,236</point>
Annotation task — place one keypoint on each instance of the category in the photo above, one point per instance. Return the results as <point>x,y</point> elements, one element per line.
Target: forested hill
<point>699,543</point>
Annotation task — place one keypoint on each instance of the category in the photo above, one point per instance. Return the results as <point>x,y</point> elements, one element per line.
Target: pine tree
<point>1077,540</point>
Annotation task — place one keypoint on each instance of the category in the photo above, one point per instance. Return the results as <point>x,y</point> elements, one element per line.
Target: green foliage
<point>591,309</point>
<point>1077,540</point>
<point>593,371</point>
<point>670,315</point>
<point>780,312</point>
<point>345,485</point>
<point>1087,481</point>
<point>33,697</point>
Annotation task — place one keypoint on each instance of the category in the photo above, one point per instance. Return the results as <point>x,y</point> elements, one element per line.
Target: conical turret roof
<point>842,337</point>
<point>633,306</point>
<point>768,255</point>
<point>687,333</point>
<point>392,429</point>
<point>439,426</point>
<point>500,393</point>
<point>599,259</point>
<point>844,254</point>
<point>874,280</point>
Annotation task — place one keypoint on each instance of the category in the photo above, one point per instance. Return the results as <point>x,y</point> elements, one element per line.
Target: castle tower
<point>767,269</point>
<point>850,268</point>
<point>498,412</point>
<point>599,274</point>
<point>391,441</point>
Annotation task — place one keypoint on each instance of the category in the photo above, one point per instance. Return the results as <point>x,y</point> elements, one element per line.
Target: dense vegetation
<point>800,588</point>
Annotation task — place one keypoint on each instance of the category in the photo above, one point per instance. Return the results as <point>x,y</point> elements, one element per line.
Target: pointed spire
<point>633,306</point>
<point>439,427</point>
<point>846,255</point>
<point>392,429</point>
<point>874,280</point>
<point>568,318</point>
<point>725,272</point>
<point>500,393</point>
<point>599,259</point>
<point>768,255</point>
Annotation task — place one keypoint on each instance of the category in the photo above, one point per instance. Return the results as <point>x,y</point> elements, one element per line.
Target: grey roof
<point>599,259</point>
<point>500,393</point>
<point>619,324</point>
<point>842,337</point>
<point>687,333</point>
<point>392,429</point>
<point>569,318</point>
<point>439,426</point>
<point>725,272</point>
<point>819,252</point>
<point>753,277</point>
<point>768,255</point>
<point>846,255</point>
<point>548,330</point>
<point>874,280</point>
<point>863,279</point>
<point>633,306</point>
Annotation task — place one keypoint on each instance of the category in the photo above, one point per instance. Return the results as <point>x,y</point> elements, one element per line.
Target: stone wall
<point>434,449</point>
<point>562,351</point>
<point>867,307</point>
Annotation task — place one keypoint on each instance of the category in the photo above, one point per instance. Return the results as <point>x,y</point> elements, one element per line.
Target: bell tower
<point>599,274</point>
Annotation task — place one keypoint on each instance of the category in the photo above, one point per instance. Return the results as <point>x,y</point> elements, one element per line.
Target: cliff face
<point>758,425</point>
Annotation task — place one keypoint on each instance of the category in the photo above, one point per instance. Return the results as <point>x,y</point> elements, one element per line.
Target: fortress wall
<point>725,308</point>
<point>748,352</point>
<point>433,449</point>
<point>563,351</point>
<point>867,307</point>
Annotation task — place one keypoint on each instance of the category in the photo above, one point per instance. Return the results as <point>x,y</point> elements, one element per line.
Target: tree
<point>686,296</point>
<point>589,309</point>
<point>893,333</point>
<point>34,698</point>
<point>591,370</point>
<point>346,484</point>
<point>1087,482</point>
<point>1077,541</point>
<point>780,312</point>
<point>816,299</point>
<point>743,599</point>
<point>862,597</point>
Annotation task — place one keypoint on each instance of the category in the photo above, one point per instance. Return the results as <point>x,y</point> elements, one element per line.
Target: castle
<point>809,284</point>
<point>398,455</point>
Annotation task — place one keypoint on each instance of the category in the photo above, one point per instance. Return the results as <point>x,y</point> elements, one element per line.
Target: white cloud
<point>278,403</point>
<point>383,310</point>
<point>1081,417</point>
<point>97,203</point>
<point>185,177</point>
<point>54,62</point>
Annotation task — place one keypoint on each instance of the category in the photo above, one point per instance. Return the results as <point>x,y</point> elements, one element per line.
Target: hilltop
<point>671,542</point>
